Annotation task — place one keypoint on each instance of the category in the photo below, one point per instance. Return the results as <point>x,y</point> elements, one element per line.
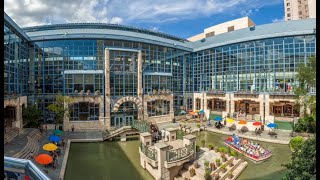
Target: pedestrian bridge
<point>123,131</point>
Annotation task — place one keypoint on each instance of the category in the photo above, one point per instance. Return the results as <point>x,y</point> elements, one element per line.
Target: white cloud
<point>246,13</point>
<point>38,12</point>
<point>154,28</point>
<point>275,20</point>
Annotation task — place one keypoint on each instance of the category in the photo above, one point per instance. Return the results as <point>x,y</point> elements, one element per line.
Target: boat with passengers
<point>252,150</point>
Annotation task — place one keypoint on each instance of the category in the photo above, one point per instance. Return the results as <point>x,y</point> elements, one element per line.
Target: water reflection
<point>121,160</point>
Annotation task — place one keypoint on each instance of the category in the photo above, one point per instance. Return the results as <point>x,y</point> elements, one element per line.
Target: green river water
<point>121,161</point>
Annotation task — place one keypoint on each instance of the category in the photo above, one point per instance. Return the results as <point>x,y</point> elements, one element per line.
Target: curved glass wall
<point>264,65</point>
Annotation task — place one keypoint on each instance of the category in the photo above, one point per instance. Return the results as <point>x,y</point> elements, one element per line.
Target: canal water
<point>120,160</point>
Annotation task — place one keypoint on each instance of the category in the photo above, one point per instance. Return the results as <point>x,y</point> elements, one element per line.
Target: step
<point>188,165</point>
<point>239,170</point>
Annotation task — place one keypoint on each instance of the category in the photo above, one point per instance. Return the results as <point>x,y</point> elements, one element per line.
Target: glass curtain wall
<point>264,66</point>
<point>16,63</point>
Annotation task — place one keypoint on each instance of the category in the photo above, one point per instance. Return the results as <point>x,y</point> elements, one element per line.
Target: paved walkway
<point>17,143</point>
<point>283,136</point>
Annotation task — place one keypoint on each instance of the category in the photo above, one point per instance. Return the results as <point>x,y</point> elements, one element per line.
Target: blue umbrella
<point>272,125</point>
<point>218,118</point>
<point>55,138</point>
<point>201,111</point>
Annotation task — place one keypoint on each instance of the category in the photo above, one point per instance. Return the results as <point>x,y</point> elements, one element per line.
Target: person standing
<point>163,134</point>
<point>62,142</point>
<point>72,128</point>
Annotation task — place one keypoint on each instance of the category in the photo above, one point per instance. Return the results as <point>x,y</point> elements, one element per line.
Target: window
<point>210,34</point>
<point>300,13</point>
<point>158,108</point>
<point>288,15</point>
<point>288,4</point>
<point>231,28</point>
<point>288,9</point>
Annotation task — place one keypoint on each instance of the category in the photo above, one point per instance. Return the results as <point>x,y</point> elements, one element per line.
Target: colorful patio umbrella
<point>218,118</point>
<point>257,124</point>
<point>182,112</point>
<point>57,132</point>
<point>43,159</point>
<point>193,113</point>
<point>201,111</point>
<point>272,125</point>
<point>230,120</point>
<point>50,147</point>
<point>242,122</point>
<point>55,138</point>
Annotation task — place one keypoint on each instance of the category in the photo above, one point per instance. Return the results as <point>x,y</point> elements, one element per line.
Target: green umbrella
<point>57,132</point>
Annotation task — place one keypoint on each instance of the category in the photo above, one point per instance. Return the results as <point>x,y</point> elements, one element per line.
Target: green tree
<point>306,124</point>
<point>306,76</point>
<point>31,116</point>
<point>295,142</point>
<point>60,108</point>
<point>303,161</point>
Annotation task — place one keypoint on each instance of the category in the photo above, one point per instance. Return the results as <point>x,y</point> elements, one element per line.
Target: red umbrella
<point>43,159</point>
<point>257,123</point>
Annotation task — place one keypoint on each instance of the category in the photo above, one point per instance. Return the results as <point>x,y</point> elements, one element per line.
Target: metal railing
<point>150,153</point>
<point>177,154</point>
<point>141,126</point>
<point>22,164</point>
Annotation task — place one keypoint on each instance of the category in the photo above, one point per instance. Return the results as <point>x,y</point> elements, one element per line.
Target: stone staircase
<point>32,145</point>
<point>10,134</point>
<point>238,167</point>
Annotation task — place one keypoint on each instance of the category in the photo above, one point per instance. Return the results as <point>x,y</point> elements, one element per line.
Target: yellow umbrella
<point>50,147</point>
<point>230,120</point>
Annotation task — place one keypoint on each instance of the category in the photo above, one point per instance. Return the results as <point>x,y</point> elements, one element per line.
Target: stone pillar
<point>232,104</point>
<point>171,107</point>
<point>261,100</point>
<point>189,139</point>
<point>171,134</point>
<point>107,88</point>
<point>123,137</point>
<point>140,90</point>
<point>162,172</point>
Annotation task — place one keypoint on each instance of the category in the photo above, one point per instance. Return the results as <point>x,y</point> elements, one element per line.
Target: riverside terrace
<point>22,143</point>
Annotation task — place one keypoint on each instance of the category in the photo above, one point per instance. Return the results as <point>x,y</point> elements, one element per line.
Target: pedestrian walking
<point>62,142</point>
<point>31,155</point>
<point>163,134</point>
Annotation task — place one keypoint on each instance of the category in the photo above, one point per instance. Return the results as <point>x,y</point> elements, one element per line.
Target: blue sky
<point>183,18</point>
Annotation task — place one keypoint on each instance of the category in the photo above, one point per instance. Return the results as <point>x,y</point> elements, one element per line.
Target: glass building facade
<point>265,65</point>
<point>54,62</point>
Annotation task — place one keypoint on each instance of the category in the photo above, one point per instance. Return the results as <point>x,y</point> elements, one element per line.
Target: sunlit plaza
<point>111,101</point>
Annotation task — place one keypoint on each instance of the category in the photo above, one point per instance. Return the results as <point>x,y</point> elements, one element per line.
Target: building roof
<point>280,29</point>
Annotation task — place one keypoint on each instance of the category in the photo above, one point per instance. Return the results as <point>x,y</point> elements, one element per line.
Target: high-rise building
<point>299,9</point>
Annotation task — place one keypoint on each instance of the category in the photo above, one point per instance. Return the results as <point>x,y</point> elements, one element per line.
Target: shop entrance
<point>9,116</point>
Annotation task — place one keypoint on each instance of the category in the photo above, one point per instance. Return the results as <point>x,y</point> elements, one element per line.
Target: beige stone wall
<point>293,7</point>
<point>17,103</point>
<point>197,37</point>
<point>85,125</point>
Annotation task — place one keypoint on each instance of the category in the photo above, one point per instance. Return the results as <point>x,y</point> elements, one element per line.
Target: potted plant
<point>203,142</point>
<point>232,153</point>
<point>218,162</point>
<point>197,148</point>
<point>195,164</point>
<point>224,168</point>
<point>210,146</point>
<point>207,175</point>
<point>206,164</point>
<point>198,126</point>
<point>224,158</point>
<point>229,151</point>
<point>230,175</point>
<point>231,164</point>
<point>236,155</point>
<point>192,172</point>
<point>213,166</point>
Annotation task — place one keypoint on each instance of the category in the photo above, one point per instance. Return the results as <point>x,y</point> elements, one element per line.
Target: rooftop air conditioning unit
<point>203,40</point>
<point>252,28</point>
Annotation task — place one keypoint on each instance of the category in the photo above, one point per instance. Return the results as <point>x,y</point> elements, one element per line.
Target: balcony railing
<point>177,154</point>
<point>150,153</point>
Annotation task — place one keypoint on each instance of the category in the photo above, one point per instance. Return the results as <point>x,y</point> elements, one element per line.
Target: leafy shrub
<point>295,142</point>
<point>306,124</point>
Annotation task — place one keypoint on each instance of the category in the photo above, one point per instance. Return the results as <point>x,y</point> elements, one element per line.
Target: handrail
<point>26,165</point>
<point>150,153</point>
<point>177,154</point>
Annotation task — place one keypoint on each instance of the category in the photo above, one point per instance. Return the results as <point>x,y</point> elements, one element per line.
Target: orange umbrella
<point>193,113</point>
<point>43,159</point>
<point>242,122</point>
<point>257,123</point>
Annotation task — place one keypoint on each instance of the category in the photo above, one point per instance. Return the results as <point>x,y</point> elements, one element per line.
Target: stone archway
<point>135,100</point>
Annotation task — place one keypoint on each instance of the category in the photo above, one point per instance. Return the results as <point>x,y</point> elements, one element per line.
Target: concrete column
<point>171,107</point>
<point>261,100</point>
<point>188,139</point>
<point>161,149</point>
<point>107,88</point>
<point>232,104</point>
<point>123,137</point>
<point>140,90</point>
